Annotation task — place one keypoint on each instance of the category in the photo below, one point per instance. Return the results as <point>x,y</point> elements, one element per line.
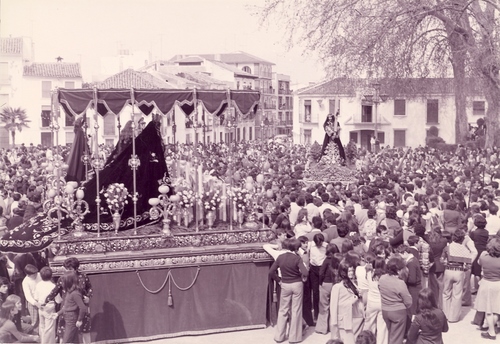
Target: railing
<point>311,119</point>
<point>269,106</point>
<point>280,91</point>
<point>284,123</point>
<point>359,118</point>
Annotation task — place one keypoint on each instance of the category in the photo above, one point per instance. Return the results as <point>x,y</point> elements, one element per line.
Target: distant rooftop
<point>130,78</point>
<point>11,45</point>
<point>236,57</point>
<point>393,87</point>
<point>53,70</point>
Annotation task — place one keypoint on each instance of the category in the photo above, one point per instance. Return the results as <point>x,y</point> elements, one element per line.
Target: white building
<point>399,111</point>
<point>29,85</point>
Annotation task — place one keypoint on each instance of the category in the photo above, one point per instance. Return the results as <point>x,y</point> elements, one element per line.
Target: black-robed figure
<point>332,151</point>
<point>76,168</point>
<point>150,174</point>
<point>38,232</point>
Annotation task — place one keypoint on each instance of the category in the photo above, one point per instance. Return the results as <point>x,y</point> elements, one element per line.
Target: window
<point>250,133</point>
<point>432,111</point>
<point>399,107</point>
<point>366,113</point>
<point>109,124</point>
<point>46,89</point>
<point>399,138</point>
<point>69,84</point>
<point>478,108</point>
<point>244,134</point>
<point>46,139</point>
<point>45,118</point>
<point>69,120</point>
<point>331,106</point>
<point>220,137</point>
<point>307,111</point>
<point>247,69</point>
<point>353,136</point>
<point>307,136</point>
<point>381,137</point>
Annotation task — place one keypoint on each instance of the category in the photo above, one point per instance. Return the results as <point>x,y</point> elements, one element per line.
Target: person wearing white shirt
<point>47,312</point>
<point>296,203</point>
<point>493,221</point>
<point>29,283</point>
<point>312,209</point>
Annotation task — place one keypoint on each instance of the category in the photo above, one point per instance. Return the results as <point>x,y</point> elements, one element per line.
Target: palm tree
<point>15,119</point>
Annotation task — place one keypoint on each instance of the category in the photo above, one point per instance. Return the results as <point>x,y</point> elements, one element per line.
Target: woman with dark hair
<point>328,276</point>
<point>317,255</point>
<point>429,323</point>
<point>302,226</point>
<point>452,218</point>
<point>346,306</point>
<point>488,294</point>
<point>480,237</point>
<point>396,299</point>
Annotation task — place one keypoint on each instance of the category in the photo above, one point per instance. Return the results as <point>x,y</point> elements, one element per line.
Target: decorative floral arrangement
<point>241,197</point>
<point>187,198</point>
<point>116,196</point>
<point>211,200</point>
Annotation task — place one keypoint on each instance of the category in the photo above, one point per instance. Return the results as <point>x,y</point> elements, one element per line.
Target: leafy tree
<point>403,39</point>
<point>15,119</point>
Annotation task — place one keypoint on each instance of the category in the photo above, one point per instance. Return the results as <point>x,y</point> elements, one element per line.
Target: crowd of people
<point>415,234</point>
<point>396,254</point>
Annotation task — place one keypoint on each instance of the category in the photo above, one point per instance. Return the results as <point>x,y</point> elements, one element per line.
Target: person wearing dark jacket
<point>293,272</point>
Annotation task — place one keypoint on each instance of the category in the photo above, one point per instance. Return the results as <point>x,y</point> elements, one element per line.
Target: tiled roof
<point>392,87</point>
<point>53,70</point>
<point>9,45</point>
<point>130,78</point>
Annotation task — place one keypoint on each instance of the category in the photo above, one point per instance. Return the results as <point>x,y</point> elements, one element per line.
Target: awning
<point>76,101</point>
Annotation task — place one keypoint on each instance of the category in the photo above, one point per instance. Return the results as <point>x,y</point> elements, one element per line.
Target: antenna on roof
<point>59,59</point>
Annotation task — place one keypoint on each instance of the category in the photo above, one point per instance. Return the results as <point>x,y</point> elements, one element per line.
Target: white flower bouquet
<point>116,196</point>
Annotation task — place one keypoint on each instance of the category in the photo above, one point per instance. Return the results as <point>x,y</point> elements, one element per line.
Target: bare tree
<point>402,39</point>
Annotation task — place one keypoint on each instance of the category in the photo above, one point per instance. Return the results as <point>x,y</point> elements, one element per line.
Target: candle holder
<point>67,202</point>
<point>163,206</point>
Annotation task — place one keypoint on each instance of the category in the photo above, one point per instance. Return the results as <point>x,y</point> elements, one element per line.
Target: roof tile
<point>130,78</point>
<point>53,70</point>
<point>11,45</point>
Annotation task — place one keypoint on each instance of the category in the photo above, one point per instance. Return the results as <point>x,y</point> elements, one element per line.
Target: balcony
<point>269,106</point>
<point>284,123</point>
<point>280,91</point>
<point>367,121</point>
<point>311,119</point>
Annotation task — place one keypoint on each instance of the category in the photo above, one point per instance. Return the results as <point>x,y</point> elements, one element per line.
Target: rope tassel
<point>170,300</point>
<point>170,279</point>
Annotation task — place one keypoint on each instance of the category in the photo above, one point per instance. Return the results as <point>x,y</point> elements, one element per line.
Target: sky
<point>86,30</point>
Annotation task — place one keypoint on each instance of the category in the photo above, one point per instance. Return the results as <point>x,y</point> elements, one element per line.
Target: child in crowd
<point>47,312</point>
<point>73,307</point>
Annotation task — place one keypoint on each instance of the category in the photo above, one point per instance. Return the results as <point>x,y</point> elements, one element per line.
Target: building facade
<point>397,112</point>
<point>29,85</point>
<point>284,96</point>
